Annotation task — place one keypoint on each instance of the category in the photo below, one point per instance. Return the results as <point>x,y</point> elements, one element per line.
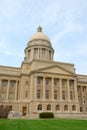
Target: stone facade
<point>42,85</point>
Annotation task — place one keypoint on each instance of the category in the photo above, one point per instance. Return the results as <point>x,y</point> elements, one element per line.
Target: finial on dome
<point>39,29</point>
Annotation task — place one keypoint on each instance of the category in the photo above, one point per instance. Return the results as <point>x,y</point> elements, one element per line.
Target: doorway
<point>24,111</point>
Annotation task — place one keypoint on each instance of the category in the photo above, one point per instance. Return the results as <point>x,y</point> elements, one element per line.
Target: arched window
<point>65,107</point>
<point>39,107</point>
<point>57,107</point>
<point>73,108</point>
<point>48,107</point>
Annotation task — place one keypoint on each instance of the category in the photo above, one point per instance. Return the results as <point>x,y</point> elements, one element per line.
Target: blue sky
<point>64,22</point>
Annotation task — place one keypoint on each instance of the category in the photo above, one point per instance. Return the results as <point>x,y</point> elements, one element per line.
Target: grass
<point>54,124</point>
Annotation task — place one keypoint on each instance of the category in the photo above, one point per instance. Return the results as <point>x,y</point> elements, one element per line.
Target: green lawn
<point>54,124</point>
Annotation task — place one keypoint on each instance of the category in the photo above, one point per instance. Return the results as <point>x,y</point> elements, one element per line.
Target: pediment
<point>55,69</point>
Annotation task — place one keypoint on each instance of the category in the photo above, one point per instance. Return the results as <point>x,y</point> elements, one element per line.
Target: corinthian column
<point>75,90</point>
<point>68,90</point>
<point>35,87</point>
<point>16,90</point>
<point>7,95</point>
<point>60,89</point>
<point>52,89</point>
<point>43,88</point>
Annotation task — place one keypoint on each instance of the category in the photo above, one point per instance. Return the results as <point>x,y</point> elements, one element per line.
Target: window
<point>26,83</point>
<point>47,94</point>
<point>29,53</point>
<point>71,96</point>
<point>55,94</point>
<point>43,52</point>
<point>48,107</point>
<point>12,83</point>
<point>36,52</point>
<point>71,83</point>
<point>39,107</point>
<point>64,82</point>
<point>63,95</point>
<point>3,95</point>
<point>49,55</point>
<point>38,93</point>
<point>86,109</point>
<point>81,109</point>
<point>84,99</point>
<point>39,80</point>
<point>57,107</point>
<point>4,83</point>
<point>73,108</point>
<point>84,88</point>
<point>79,98</point>
<point>55,82</point>
<point>11,96</point>
<point>26,94</point>
<point>65,107</point>
<point>47,81</point>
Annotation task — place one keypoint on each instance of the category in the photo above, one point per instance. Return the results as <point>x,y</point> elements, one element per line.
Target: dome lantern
<point>39,29</point>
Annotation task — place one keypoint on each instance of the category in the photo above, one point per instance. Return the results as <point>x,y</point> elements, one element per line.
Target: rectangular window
<point>64,83</point>
<point>78,88</point>
<point>4,83</point>
<point>84,99</point>
<point>55,94</point>
<point>71,83</point>
<point>29,53</point>
<point>71,95</point>
<point>26,94</point>
<point>79,98</point>
<point>49,55</point>
<point>26,83</point>
<point>12,83</point>
<point>48,81</point>
<point>11,95</point>
<point>39,80</point>
<point>84,88</point>
<point>63,95</point>
<point>47,94</point>
<point>55,82</point>
<point>3,96</point>
<point>38,94</point>
<point>36,52</point>
<point>81,109</point>
<point>43,53</point>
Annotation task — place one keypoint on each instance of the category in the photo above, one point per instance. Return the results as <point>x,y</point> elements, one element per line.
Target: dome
<point>39,35</point>
<point>39,47</point>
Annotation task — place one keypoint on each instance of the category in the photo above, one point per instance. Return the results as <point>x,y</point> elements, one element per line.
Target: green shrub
<point>46,115</point>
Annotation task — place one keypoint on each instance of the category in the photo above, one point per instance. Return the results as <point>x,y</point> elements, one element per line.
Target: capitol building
<point>42,84</point>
